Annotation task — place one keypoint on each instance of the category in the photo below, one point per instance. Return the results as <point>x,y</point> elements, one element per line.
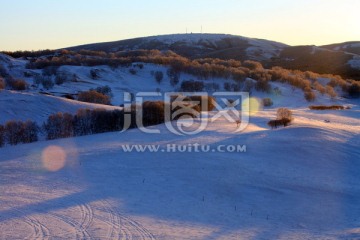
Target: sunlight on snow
<point>53,158</point>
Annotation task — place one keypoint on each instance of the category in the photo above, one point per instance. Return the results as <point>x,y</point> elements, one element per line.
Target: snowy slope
<point>36,107</point>
<point>299,182</point>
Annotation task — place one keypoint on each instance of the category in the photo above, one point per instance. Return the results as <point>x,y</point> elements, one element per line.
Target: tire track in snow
<point>128,228</point>
<point>87,216</point>
<point>40,231</point>
<point>81,233</point>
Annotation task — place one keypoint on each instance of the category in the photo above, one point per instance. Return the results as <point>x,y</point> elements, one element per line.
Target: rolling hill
<point>341,59</point>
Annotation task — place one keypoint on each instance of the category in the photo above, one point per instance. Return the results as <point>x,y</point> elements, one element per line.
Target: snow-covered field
<point>300,182</point>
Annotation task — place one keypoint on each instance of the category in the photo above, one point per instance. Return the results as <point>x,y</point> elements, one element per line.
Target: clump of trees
<point>203,69</point>
<point>15,132</point>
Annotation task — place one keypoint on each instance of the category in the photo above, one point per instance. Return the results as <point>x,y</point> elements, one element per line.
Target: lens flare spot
<point>255,105</point>
<point>53,158</point>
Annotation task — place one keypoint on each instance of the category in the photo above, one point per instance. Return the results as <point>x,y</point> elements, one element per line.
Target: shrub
<point>263,86</point>
<point>153,113</point>
<point>83,124</point>
<point>174,76</point>
<point>284,113</point>
<point>60,78</point>
<point>321,107</point>
<point>252,65</point>
<point>94,74</point>
<point>354,90</point>
<point>2,83</point>
<point>309,96</point>
<point>93,96</point>
<point>59,125</point>
<point>31,130</point>
<point>330,91</point>
<point>14,132</point>
<point>192,86</point>
<point>158,76</point>
<point>277,91</point>
<point>3,71</point>
<point>267,102</point>
<point>105,90</point>
<point>2,135</point>
<point>227,86</point>
<point>320,88</point>
<point>281,122</point>
<point>132,71</point>
<point>17,84</point>
<point>248,86</point>
<point>47,83</point>
<point>50,70</point>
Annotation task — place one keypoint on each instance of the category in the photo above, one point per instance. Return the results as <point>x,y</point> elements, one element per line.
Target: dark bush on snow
<point>132,71</point>
<point>192,86</point>
<point>333,107</point>
<point>263,86</point>
<point>94,74</point>
<point>17,84</point>
<point>354,90</point>
<point>281,122</point>
<point>310,96</point>
<point>153,113</point>
<point>93,96</point>
<point>47,83</point>
<point>267,102</point>
<point>174,76</point>
<point>158,76</point>
<point>59,125</point>
<point>3,71</point>
<point>105,90</point>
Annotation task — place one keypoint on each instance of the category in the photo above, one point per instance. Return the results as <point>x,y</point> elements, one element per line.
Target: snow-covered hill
<point>197,46</point>
<point>299,182</point>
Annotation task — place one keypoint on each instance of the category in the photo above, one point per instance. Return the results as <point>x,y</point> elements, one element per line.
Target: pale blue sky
<point>41,24</point>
